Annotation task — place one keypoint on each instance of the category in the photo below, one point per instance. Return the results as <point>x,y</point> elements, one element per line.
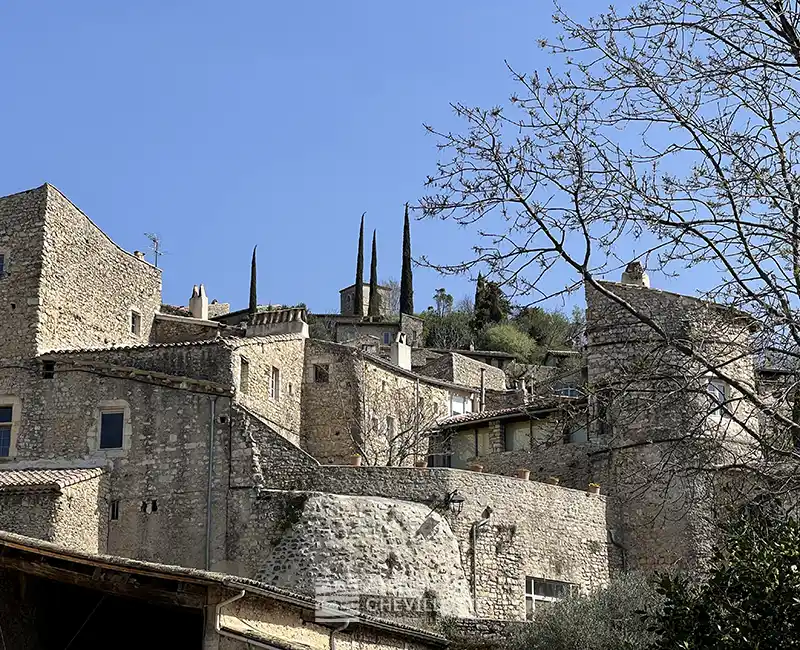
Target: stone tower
<point>654,413</point>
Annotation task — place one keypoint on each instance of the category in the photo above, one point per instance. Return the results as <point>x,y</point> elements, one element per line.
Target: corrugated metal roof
<point>45,479</point>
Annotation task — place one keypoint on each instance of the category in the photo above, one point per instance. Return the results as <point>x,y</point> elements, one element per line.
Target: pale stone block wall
<point>21,243</point>
<point>74,517</point>
<point>262,355</point>
<point>89,286</point>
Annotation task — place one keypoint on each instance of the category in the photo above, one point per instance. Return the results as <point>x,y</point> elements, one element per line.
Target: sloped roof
<point>45,479</point>
<point>531,408</point>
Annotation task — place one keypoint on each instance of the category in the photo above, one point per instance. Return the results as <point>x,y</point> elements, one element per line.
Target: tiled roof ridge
<point>46,478</point>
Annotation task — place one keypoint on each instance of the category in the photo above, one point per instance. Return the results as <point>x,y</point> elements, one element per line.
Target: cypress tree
<point>406,278</point>
<point>374,296</point>
<point>253,306</point>
<point>358,298</point>
<point>481,315</point>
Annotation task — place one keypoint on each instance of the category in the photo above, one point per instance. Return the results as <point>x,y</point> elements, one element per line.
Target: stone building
<point>197,437</point>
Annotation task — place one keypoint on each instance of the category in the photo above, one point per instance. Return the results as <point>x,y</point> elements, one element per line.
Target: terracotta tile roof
<point>141,346</point>
<point>532,408</point>
<point>45,479</point>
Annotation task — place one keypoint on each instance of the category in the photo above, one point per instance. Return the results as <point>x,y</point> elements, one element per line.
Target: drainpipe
<point>483,389</point>
<point>233,635</point>
<point>475,526</point>
<point>209,492</point>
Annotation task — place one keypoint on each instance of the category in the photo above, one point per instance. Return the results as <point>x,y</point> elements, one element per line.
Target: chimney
<point>401,352</point>
<point>198,303</point>
<point>635,274</point>
<point>280,321</point>
<point>139,255</point>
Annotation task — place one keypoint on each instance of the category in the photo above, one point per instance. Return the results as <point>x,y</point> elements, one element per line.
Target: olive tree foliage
<point>672,127</point>
<point>749,599</point>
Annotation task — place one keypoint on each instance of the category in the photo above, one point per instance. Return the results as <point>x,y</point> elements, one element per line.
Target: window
<point>540,592</point>
<point>2,265</point>
<point>390,426</point>
<point>387,338</point>
<point>568,391</point>
<point>244,375</point>
<point>717,389</point>
<point>114,514</point>
<point>111,427</point>
<point>575,433</point>
<point>275,383</point>
<point>48,369</point>
<point>321,373</point>
<point>136,323</point>
<point>6,420</point>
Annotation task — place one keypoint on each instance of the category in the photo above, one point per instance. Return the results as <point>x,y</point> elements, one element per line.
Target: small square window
<point>111,426</point>
<point>136,323</point>
<point>275,384</point>
<point>321,373</point>
<point>48,369</point>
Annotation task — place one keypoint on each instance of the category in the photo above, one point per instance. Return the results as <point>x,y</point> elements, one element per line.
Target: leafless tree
<point>672,128</point>
<point>394,295</point>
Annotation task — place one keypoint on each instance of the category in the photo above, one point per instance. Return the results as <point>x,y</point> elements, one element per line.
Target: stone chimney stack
<point>635,274</point>
<point>139,255</point>
<point>401,352</point>
<point>198,303</point>
<point>280,321</point>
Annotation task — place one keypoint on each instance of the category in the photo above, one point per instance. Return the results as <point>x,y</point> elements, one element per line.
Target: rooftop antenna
<point>155,246</point>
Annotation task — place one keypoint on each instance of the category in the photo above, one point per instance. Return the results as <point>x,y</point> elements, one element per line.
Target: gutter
<point>248,641</point>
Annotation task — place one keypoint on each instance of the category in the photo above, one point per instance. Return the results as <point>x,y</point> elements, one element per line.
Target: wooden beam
<point>113,582</point>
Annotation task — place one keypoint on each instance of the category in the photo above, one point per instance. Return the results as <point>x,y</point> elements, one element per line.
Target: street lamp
<point>455,500</point>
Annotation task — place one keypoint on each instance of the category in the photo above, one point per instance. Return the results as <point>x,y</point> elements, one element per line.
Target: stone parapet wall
<point>178,329</point>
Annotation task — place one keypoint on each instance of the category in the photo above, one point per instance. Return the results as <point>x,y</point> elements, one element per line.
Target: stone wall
<point>89,285</point>
<point>369,547</point>
<point>557,533</point>
<point>74,516</point>
<point>21,242</point>
<point>278,622</point>
<point>81,516</point>
<point>160,476</point>
<point>178,329</point>
<point>286,353</point>
<point>652,407</point>
<point>465,371</point>
<point>369,407</point>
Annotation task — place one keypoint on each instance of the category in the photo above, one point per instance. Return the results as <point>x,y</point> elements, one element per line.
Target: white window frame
<point>532,597</point>
<point>275,383</point>
<point>718,389</point>
<point>15,404</point>
<point>135,322</point>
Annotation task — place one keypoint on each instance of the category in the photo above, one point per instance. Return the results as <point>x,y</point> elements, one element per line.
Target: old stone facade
<point>221,440</point>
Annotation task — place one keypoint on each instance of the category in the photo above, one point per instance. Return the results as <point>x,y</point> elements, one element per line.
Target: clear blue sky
<point>221,125</point>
